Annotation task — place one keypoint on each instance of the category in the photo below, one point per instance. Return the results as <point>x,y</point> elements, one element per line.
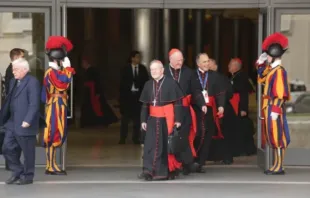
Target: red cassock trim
<point>167,112</point>
<point>192,133</point>
<point>234,101</point>
<point>95,102</point>
<point>216,117</point>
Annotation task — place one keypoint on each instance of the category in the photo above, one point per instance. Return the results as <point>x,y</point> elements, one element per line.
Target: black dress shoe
<point>227,162</point>
<point>269,172</point>
<point>47,172</point>
<point>141,175</point>
<point>12,180</point>
<point>200,169</point>
<point>24,182</point>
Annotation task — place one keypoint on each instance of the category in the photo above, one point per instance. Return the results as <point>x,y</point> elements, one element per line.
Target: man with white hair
<point>20,116</point>
<point>160,116</point>
<point>183,76</point>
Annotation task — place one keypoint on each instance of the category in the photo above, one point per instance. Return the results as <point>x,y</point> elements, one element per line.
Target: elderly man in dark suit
<point>20,117</point>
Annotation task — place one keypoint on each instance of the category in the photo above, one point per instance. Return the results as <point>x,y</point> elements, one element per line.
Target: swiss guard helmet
<point>275,45</point>
<point>57,47</point>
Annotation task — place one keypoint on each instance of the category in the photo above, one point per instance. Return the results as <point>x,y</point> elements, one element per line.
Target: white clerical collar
<point>159,79</point>
<point>275,63</point>
<point>53,65</point>
<point>201,70</point>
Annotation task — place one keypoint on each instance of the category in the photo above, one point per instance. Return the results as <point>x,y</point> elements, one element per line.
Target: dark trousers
<point>202,142</point>
<point>12,148</point>
<point>131,113</point>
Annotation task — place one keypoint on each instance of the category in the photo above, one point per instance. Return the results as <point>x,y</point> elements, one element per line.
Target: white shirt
<point>133,88</point>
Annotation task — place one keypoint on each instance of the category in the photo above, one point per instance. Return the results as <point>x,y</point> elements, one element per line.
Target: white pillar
<point>143,34</point>
<point>198,31</point>
<point>181,30</point>
<point>166,34</point>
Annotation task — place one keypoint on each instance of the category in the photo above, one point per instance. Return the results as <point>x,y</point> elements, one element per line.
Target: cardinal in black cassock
<point>244,140</point>
<point>95,109</point>
<point>208,125</point>
<point>183,75</point>
<point>161,110</point>
<point>222,149</point>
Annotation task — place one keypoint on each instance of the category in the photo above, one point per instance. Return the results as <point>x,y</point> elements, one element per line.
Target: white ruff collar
<point>275,63</point>
<point>53,65</point>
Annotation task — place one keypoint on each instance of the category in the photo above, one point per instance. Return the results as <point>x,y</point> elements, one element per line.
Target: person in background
<point>133,77</point>
<point>14,54</point>
<point>244,141</point>
<point>95,108</point>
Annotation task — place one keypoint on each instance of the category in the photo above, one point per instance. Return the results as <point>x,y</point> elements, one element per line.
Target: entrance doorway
<point>105,37</point>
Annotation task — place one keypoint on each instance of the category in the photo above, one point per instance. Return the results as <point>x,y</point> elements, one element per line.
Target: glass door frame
<point>40,151</point>
<point>264,155</point>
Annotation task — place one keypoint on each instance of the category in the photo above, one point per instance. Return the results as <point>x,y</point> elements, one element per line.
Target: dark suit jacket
<point>26,101</point>
<point>126,84</point>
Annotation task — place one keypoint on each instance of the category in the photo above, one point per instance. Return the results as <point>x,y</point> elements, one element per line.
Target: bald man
<point>183,76</point>
<point>161,114</point>
<point>240,101</point>
<point>222,149</point>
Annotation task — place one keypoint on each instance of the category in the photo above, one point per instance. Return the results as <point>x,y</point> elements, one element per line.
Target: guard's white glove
<point>274,116</point>
<point>262,58</point>
<point>66,62</point>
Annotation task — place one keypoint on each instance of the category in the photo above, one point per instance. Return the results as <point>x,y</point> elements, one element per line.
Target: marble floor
<point>99,147</point>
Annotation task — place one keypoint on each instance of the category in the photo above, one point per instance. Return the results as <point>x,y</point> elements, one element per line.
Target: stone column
<point>198,31</point>
<point>166,23</point>
<point>181,30</point>
<point>236,37</point>
<point>144,34</point>
<point>216,37</point>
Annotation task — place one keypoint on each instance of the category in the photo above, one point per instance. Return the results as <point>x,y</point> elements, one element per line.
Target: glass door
<point>295,24</point>
<point>27,29</point>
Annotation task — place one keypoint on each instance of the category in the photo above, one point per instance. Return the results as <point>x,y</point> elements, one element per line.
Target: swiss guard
<point>57,80</point>
<point>275,93</point>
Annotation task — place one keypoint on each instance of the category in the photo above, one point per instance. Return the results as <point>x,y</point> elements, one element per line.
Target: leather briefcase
<point>176,143</point>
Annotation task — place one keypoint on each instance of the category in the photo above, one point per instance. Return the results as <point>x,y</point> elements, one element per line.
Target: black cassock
<point>207,127</point>
<point>165,92</point>
<point>184,76</point>
<point>222,149</point>
<point>95,109</point>
<point>244,141</point>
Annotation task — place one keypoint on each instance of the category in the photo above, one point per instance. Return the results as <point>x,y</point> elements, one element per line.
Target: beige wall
<point>297,59</point>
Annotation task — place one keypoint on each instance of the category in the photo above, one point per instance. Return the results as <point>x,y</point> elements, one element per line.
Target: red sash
<point>234,101</point>
<point>95,102</point>
<point>216,117</point>
<point>192,133</point>
<point>167,112</point>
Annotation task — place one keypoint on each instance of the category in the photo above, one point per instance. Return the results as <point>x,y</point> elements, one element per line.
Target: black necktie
<point>18,83</point>
<point>135,76</point>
